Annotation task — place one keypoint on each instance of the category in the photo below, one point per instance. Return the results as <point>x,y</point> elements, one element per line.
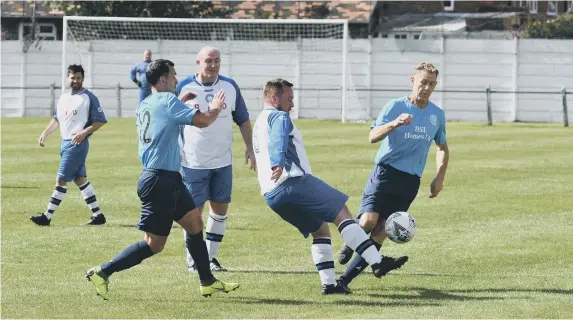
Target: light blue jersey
<point>406,147</point>
<point>159,118</point>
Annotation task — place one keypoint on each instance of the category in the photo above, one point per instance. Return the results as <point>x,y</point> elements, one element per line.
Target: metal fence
<point>487,110</point>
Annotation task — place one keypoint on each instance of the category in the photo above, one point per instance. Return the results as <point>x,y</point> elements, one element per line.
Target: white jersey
<point>77,111</point>
<point>210,148</point>
<point>277,142</point>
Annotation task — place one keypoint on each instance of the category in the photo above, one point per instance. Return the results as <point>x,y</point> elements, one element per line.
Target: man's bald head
<point>208,64</point>
<point>147,55</point>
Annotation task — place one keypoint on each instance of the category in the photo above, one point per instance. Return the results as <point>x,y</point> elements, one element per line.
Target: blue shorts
<point>73,162</point>
<point>164,199</point>
<point>388,190</point>
<point>209,184</point>
<point>306,202</point>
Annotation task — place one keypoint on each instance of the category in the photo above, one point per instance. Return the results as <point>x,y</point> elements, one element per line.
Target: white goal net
<point>312,54</point>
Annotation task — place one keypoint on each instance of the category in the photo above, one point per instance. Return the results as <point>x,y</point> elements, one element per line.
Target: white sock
<point>57,197</point>
<point>356,238</point>
<point>89,195</point>
<point>216,227</point>
<point>323,257</point>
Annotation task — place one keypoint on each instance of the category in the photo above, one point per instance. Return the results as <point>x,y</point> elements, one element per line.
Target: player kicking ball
<point>297,196</point>
<point>79,115</point>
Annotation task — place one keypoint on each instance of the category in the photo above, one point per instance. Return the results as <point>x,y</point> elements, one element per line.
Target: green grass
<point>496,243</point>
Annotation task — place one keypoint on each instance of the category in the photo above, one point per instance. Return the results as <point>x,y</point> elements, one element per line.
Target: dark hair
<point>74,68</point>
<point>276,87</point>
<point>157,69</point>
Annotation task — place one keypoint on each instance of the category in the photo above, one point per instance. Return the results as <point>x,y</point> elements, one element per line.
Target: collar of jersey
<point>205,84</point>
<point>72,93</point>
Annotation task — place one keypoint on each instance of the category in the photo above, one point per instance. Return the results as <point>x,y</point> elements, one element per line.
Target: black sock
<point>198,250</point>
<point>129,257</point>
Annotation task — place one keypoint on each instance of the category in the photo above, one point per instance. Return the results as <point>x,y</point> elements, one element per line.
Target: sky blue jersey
<point>406,148</point>
<point>159,118</point>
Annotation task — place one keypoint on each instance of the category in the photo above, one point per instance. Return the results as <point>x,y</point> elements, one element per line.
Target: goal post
<point>311,53</point>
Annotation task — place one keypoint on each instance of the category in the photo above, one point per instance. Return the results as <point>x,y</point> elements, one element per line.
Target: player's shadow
<point>290,302</point>
<point>274,271</point>
<point>514,290</point>
<point>431,294</point>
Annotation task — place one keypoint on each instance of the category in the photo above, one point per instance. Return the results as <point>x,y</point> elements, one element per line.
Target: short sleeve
<point>240,113</point>
<point>96,113</point>
<point>178,111</point>
<point>440,137</point>
<point>388,114</point>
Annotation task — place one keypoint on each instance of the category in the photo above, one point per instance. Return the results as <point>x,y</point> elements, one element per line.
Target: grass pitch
<point>496,243</point>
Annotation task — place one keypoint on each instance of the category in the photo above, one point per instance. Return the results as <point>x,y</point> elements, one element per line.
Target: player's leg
<point>189,218</point>
<point>323,257</point>
<point>66,173</point>
<point>367,216</point>
<point>197,183</point>
<point>88,193</point>
<point>156,190</point>
<point>220,187</point>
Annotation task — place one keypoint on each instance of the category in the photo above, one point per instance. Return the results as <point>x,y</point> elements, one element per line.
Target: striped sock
<point>216,227</point>
<point>323,257</point>
<point>57,198</point>
<point>89,195</point>
<point>356,238</point>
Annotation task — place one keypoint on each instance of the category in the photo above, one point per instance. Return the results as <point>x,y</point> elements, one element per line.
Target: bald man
<point>207,159</point>
<point>137,74</point>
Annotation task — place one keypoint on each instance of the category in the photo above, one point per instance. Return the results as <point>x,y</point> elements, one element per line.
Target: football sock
<point>323,257</point>
<point>356,266</point>
<point>57,197</point>
<point>216,226</point>
<point>129,257</point>
<point>198,250</point>
<point>357,240</point>
<point>89,195</point>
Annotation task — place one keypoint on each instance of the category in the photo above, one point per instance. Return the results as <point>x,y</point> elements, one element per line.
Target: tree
<point>171,9</point>
<point>559,28</point>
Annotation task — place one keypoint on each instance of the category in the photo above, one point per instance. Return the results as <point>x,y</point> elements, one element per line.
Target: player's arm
<point>280,127</point>
<point>183,115</point>
<point>242,119</point>
<point>442,159</point>
<point>52,126</point>
<point>96,120</point>
<point>387,121</point>
<point>133,75</point>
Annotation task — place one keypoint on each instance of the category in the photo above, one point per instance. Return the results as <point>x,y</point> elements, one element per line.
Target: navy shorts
<point>164,199</point>
<point>388,190</point>
<point>209,184</point>
<point>73,162</point>
<point>306,202</point>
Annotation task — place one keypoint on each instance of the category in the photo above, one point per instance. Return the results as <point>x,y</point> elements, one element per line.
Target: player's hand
<point>403,119</point>
<point>187,96</point>
<point>41,139</point>
<point>249,154</point>
<point>277,173</point>
<point>78,137</point>
<point>218,101</point>
<point>436,186</point>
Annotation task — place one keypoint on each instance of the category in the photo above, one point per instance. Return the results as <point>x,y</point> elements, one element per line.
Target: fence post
<point>52,98</point>
<point>565,115</point>
<point>488,98</point>
<point>118,94</point>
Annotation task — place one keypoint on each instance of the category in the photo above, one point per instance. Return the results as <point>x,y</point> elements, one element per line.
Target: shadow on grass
<point>431,294</point>
<point>176,226</point>
<point>291,302</point>
<point>509,290</point>
<point>19,187</point>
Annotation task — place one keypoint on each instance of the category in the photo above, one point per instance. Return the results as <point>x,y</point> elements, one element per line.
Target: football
<point>400,227</point>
